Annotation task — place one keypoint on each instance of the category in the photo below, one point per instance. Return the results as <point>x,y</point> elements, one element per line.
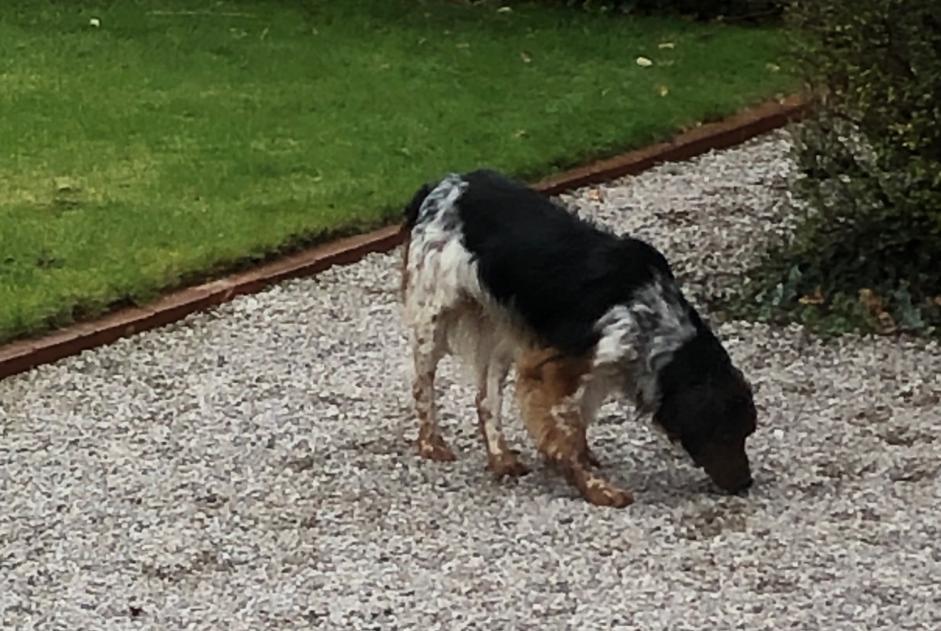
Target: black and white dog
<point>499,275</point>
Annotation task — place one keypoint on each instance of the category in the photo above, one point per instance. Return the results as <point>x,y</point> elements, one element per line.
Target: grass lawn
<point>171,143</point>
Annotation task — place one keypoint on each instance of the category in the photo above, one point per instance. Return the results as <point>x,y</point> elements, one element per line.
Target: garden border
<point>22,355</point>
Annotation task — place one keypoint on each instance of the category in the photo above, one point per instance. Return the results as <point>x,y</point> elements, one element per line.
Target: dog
<point>501,276</point>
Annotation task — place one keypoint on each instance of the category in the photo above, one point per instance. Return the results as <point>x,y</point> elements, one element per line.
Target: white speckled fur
<point>443,293</point>
<point>447,311</point>
<point>640,352</point>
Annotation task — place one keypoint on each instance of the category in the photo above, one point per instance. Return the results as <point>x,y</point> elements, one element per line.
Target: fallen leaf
<point>505,10</point>
<point>663,90</point>
<point>462,45</point>
<point>815,298</point>
<point>666,45</point>
<point>869,299</point>
<point>876,307</point>
<point>526,58</point>
<point>65,185</point>
<point>886,322</point>
<point>772,67</point>
<point>520,133</point>
<point>643,62</point>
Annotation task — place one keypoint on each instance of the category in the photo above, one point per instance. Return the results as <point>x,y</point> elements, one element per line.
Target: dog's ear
<point>689,416</point>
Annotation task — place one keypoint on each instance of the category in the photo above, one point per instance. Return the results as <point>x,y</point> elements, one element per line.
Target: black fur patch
<point>559,273</point>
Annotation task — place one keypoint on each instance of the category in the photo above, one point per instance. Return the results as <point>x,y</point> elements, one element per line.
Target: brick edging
<point>719,135</point>
<point>21,355</point>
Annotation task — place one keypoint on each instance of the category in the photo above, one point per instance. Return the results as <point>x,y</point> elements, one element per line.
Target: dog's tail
<point>410,218</point>
<point>412,208</point>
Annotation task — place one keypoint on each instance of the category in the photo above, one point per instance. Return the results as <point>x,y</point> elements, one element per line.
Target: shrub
<point>870,247</point>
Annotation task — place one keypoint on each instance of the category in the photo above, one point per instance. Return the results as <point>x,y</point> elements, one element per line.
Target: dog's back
<point>556,273</point>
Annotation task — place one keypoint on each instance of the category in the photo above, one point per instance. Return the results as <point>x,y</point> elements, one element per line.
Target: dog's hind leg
<point>427,350</point>
<point>501,459</point>
<point>551,393</point>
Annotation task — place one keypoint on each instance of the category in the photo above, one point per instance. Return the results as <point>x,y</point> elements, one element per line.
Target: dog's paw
<point>435,448</point>
<point>508,464</point>
<point>613,497</point>
<point>602,493</point>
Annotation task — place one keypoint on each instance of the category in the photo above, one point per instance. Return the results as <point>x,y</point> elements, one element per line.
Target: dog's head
<point>706,405</point>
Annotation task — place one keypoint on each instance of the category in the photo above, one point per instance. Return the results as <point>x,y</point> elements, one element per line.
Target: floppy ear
<point>688,416</point>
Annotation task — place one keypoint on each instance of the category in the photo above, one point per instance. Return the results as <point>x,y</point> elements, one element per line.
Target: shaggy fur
<point>497,274</point>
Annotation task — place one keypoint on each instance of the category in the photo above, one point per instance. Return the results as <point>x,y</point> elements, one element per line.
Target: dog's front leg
<point>550,395</point>
<point>563,434</point>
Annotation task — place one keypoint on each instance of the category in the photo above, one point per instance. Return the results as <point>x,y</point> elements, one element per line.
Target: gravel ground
<point>249,468</point>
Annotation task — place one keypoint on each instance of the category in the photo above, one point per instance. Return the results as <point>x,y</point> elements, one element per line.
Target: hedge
<point>869,249</point>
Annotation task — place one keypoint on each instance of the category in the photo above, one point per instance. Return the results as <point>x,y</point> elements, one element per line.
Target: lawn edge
<point>22,355</point>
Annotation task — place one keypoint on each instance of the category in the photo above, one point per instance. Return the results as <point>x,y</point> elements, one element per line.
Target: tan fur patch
<point>432,446</point>
<point>549,389</point>
<point>546,387</point>
<point>501,460</point>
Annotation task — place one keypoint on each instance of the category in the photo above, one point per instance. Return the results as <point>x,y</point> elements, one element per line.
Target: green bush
<point>870,155</point>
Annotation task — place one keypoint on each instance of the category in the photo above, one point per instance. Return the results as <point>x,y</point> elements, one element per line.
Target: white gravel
<point>250,468</point>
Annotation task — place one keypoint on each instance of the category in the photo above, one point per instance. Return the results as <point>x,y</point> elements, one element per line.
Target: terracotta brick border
<point>22,355</point>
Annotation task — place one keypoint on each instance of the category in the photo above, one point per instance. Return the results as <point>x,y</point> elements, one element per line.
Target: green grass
<point>165,146</point>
